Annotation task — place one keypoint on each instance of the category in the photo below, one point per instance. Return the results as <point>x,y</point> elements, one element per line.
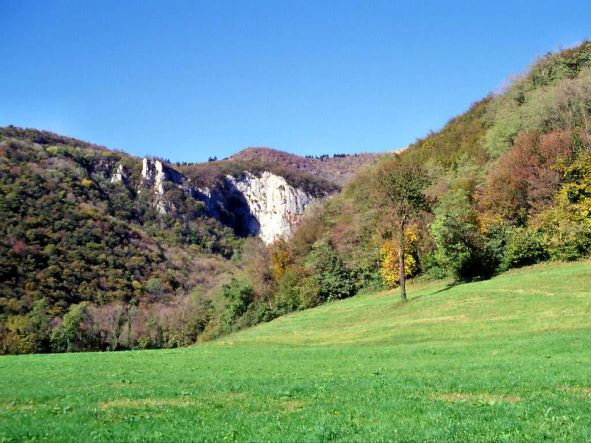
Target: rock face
<point>275,205</point>
<point>266,206</point>
<point>153,177</point>
<point>160,178</point>
<point>120,175</point>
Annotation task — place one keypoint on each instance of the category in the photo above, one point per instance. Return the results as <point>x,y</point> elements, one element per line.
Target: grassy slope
<point>506,359</point>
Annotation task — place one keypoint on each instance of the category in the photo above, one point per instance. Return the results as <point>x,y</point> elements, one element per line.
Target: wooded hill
<point>89,262</point>
<point>315,175</point>
<point>86,264</point>
<point>508,184</point>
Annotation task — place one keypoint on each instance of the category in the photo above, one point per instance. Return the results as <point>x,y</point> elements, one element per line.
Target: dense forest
<point>89,262</point>
<point>85,264</point>
<point>504,185</point>
<point>83,259</point>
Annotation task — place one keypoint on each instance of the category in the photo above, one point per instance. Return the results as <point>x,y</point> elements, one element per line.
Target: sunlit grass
<point>500,360</point>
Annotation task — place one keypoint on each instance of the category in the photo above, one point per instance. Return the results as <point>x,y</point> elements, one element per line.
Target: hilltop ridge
<point>338,168</point>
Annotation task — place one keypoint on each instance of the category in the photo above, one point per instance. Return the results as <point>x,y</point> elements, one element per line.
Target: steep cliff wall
<point>266,205</point>
<point>275,204</point>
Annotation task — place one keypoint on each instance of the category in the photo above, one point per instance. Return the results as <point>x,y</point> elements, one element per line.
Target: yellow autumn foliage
<point>390,269</point>
<point>280,259</point>
<point>577,193</point>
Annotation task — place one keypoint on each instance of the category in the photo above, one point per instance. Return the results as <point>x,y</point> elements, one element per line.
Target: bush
<point>460,246</point>
<point>524,247</point>
<point>333,279</point>
<point>566,239</point>
<point>238,296</point>
<point>567,225</point>
<point>256,313</point>
<point>288,294</point>
<point>433,268</point>
<point>75,333</point>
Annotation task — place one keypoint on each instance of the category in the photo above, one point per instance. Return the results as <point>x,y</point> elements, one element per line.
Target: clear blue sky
<point>192,79</point>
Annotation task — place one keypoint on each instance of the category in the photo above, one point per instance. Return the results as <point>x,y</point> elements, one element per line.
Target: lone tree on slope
<point>399,188</point>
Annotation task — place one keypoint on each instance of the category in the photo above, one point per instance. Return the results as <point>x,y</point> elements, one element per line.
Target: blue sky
<point>187,80</point>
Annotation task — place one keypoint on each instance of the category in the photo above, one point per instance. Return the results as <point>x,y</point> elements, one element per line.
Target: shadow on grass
<point>401,304</point>
<point>446,288</point>
<point>458,283</point>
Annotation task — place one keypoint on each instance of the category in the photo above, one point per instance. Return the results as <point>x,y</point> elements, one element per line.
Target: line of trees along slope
<point>508,184</point>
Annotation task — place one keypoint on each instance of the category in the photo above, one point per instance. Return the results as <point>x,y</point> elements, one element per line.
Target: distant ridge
<point>337,168</point>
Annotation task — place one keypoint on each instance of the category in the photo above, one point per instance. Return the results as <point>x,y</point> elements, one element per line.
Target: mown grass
<point>507,359</point>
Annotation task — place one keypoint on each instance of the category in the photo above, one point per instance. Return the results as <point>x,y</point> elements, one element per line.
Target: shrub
<point>433,268</point>
<point>75,332</point>
<point>288,296</point>
<point>564,237</point>
<point>238,295</point>
<point>332,277</point>
<point>566,226</point>
<point>256,313</point>
<point>460,246</point>
<point>524,247</point>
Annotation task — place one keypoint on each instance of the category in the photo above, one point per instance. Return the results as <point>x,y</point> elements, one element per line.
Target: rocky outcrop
<point>102,168</point>
<point>161,178</point>
<point>275,205</point>
<point>120,175</point>
<point>153,177</point>
<point>265,206</point>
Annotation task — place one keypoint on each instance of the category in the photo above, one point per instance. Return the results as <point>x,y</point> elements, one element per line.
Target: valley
<point>295,221</point>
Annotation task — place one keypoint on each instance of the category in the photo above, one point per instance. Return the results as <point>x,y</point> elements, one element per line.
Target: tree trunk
<point>401,262</point>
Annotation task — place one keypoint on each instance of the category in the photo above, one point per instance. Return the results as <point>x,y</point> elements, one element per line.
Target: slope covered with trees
<point>90,264</point>
<point>95,255</point>
<point>507,184</point>
<point>87,264</point>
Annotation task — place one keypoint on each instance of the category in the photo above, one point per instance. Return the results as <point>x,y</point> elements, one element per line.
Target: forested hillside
<point>506,184</point>
<point>101,250</point>
<point>83,259</point>
<point>92,258</point>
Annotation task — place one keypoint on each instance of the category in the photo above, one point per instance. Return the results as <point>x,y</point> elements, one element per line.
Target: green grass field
<point>507,359</point>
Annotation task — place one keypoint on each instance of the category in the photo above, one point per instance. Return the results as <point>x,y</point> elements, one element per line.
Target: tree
<point>390,262</point>
<point>459,242</point>
<point>525,179</point>
<point>334,280</point>
<point>238,295</point>
<point>74,334</point>
<point>257,259</point>
<point>399,188</point>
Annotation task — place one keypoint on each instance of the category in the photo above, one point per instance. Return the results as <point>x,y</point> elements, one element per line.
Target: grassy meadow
<point>508,359</point>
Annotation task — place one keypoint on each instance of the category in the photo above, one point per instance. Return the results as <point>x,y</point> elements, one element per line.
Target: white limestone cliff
<point>275,204</point>
<point>155,175</point>
<point>264,205</point>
